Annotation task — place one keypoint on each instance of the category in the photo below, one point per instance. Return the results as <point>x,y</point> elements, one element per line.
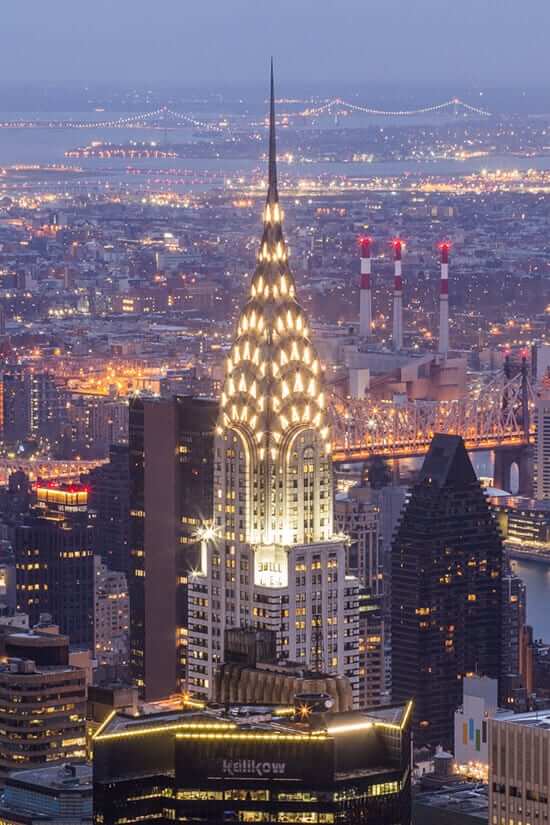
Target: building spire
<point>272,194</point>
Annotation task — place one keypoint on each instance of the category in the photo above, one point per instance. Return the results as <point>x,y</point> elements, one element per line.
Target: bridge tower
<point>520,455</point>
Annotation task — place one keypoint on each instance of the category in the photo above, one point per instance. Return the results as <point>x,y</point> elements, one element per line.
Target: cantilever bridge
<point>498,416</point>
<point>47,468</point>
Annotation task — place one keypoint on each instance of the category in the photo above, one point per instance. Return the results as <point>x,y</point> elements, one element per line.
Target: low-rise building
<point>479,704</point>
<point>42,714</point>
<point>459,804</point>
<point>53,795</point>
<point>519,768</point>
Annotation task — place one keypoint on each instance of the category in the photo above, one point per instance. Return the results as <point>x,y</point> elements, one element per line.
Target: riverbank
<point>514,551</point>
<point>536,576</point>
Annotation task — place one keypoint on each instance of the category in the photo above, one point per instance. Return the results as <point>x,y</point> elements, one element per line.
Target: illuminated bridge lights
<point>447,104</point>
<point>163,114</point>
<point>495,418</point>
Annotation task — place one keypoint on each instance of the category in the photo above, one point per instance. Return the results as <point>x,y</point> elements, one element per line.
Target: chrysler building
<point>270,558</point>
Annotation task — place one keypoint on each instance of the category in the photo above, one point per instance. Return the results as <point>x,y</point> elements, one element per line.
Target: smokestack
<point>397,297</point>
<point>444,299</point>
<point>365,295</point>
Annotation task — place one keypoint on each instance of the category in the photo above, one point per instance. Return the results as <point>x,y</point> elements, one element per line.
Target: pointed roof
<point>272,194</point>
<point>447,462</point>
<point>273,380</point>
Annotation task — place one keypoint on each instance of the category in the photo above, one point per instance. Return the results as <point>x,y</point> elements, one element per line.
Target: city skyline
<point>275,411</point>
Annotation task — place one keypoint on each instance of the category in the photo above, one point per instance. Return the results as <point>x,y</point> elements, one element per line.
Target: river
<point>536,576</point>
<point>44,146</point>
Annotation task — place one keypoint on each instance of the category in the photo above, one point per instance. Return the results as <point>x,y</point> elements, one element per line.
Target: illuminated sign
<point>250,767</point>
<point>240,756</point>
<point>270,567</point>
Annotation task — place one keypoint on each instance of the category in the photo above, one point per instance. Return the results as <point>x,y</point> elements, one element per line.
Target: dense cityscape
<point>274,453</point>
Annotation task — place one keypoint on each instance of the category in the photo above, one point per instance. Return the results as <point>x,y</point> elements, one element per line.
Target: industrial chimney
<point>365,295</point>
<point>397,297</point>
<point>444,299</point>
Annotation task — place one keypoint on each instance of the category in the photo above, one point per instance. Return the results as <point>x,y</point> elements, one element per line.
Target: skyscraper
<point>357,514</point>
<point>516,665</point>
<point>55,564</point>
<point>542,414</point>
<point>270,558</point>
<point>109,504</point>
<point>46,406</point>
<point>32,405</point>
<point>16,406</point>
<point>111,619</point>
<point>446,590</point>
<point>171,489</point>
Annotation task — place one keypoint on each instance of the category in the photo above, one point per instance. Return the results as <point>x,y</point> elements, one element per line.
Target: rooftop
<point>467,799</point>
<point>532,719</point>
<point>273,718</point>
<point>68,777</point>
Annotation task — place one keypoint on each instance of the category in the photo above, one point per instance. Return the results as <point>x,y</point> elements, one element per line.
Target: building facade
<point>171,496</point>
<point>446,590</point>
<point>542,443</point>
<point>109,506</point>
<point>357,514</point>
<point>111,617</point>
<point>56,795</point>
<point>519,768</point>
<point>517,654</point>
<point>55,563</point>
<point>271,557</point>
<point>372,659</point>
<point>211,767</point>
<point>471,734</point>
<point>16,412</point>
<point>251,674</point>
<point>43,713</point>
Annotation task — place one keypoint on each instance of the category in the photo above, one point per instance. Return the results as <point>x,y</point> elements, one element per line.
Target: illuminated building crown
<point>273,404</point>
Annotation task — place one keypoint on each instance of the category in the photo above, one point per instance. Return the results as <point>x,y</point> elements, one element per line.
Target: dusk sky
<point>226,42</point>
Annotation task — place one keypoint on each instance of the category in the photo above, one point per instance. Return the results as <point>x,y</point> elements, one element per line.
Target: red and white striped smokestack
<point>444,247</point>
<point>365,295</point>
<point>397,295</point>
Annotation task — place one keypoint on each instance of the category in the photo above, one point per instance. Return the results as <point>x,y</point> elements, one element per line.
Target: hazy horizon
<point>425,44</point>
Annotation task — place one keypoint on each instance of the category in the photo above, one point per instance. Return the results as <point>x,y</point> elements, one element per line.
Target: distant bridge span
<point>498,416</point>
<point>45,468</point>
<point>164,116</point>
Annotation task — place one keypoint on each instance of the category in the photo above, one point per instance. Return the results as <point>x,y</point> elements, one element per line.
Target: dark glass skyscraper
<point>16,406</point>
<point>109,504</point>
<point>171,496</point>
<point>54,558</point>
<point>446,590</point>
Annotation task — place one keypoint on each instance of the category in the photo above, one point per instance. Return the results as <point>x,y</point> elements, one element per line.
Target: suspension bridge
<point>455,104</point>
<point>498,416</point>
<point>164,116</point>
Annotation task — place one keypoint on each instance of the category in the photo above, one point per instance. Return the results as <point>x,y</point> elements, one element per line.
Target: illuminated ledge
<point>161,726</point>
<point>212,724</point>
<point>275,736</point>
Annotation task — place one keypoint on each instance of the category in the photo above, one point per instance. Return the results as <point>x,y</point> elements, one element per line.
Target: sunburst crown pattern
<point>273,419</point>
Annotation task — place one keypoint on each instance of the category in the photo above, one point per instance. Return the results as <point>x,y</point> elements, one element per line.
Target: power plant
<point>359,365</point>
